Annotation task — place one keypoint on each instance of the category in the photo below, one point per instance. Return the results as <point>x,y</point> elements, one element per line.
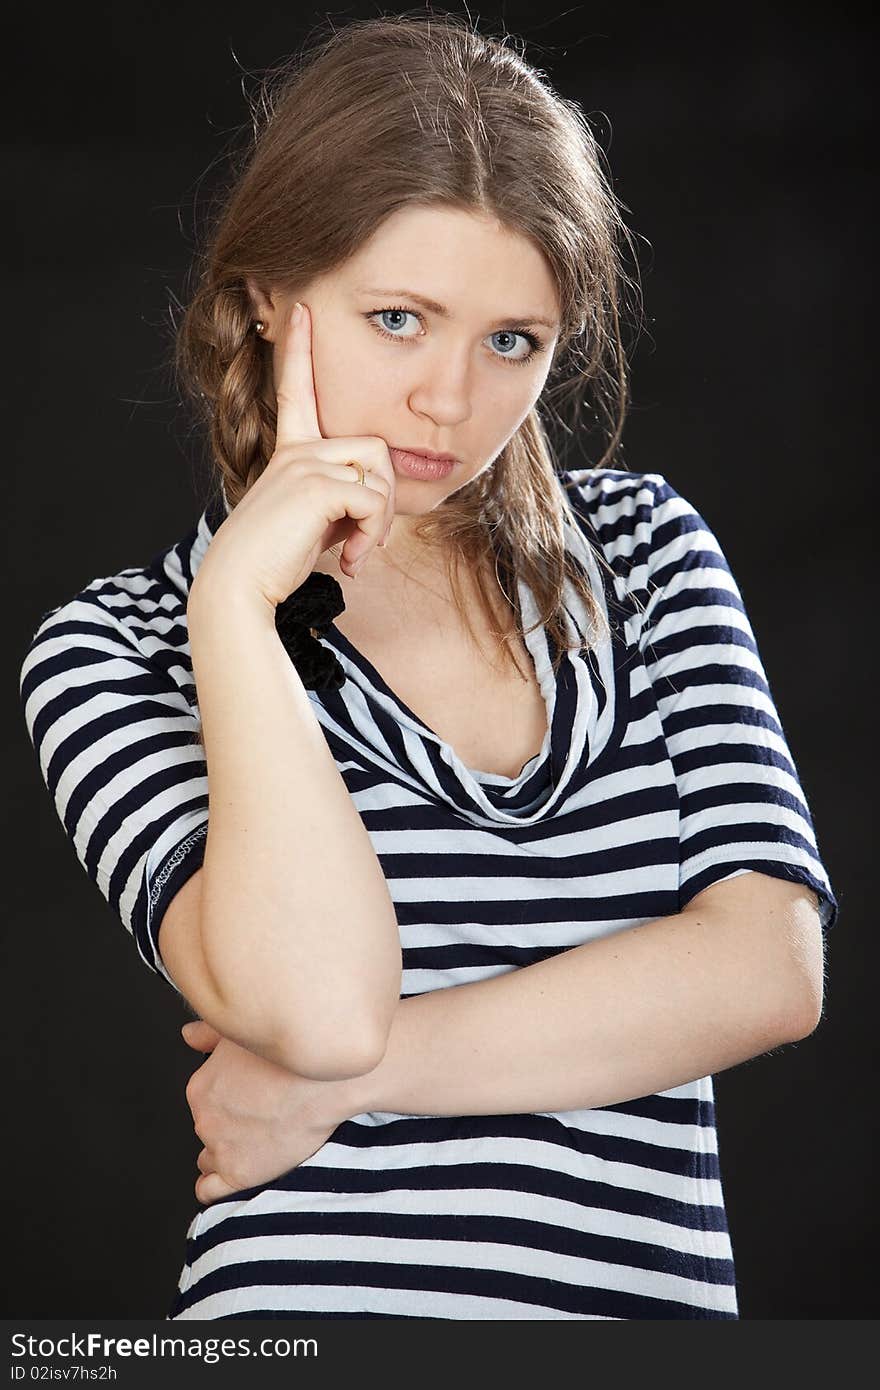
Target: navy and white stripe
<point>664,768</point>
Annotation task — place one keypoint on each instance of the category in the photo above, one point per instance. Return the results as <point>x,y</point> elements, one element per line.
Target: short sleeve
<point>117,741</point>
<point>742,805</point>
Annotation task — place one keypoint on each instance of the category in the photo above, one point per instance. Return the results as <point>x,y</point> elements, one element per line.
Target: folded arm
<point>646,1009</point>
<point>737,973</point>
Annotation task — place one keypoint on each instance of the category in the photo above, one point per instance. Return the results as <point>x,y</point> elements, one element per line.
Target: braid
<point>243,423</point>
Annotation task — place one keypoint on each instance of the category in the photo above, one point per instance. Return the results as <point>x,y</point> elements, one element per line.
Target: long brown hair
<point>380,114</point>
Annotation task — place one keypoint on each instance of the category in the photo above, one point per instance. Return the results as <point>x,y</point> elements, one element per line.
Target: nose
<point>444,388</point>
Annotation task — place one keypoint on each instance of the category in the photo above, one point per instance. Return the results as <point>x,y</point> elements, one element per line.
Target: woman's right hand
<point>306,499</point>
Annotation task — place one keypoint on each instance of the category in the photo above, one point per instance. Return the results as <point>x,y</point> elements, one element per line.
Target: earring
<point>259,326</point>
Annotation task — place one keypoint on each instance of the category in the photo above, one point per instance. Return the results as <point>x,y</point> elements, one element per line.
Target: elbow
<point>804,1022</point>
<point>318,1049</point>
<point>809,1003</point>
<point>347,1053</point>
<point>344,1043</point>
<point>334,1048</point>
<point>320,1035</point>
<point>349,1037</point>
<point>803,1015</point>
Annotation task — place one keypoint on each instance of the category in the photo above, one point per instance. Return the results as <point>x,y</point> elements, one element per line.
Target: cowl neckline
<point>585,703</point>
<point>356,664</point>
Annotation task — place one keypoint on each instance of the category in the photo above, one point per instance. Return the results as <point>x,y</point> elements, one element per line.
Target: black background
<point>739,140</point>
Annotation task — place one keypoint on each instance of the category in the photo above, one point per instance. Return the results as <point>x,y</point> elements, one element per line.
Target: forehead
<point>458,258</point>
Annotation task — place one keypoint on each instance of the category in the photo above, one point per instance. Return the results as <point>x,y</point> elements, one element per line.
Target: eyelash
<point>534,342</point>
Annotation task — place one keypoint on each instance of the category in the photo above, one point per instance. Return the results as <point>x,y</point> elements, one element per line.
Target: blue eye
<point>390,313</point>
<point>535,343</point>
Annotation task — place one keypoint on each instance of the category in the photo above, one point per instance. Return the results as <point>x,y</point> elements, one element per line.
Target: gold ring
<point>353,463</point>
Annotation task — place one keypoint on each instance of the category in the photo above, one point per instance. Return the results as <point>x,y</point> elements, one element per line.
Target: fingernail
<point>358,566</point>
<point>297,312</point>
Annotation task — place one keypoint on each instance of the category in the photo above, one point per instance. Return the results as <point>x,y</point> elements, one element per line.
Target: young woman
<point>506,852</point>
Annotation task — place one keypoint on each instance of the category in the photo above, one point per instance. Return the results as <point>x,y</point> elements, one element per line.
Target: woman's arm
<point>297,927</point>
<point>735,974</point>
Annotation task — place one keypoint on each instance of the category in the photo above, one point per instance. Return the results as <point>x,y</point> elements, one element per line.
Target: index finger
<point>297,408</point>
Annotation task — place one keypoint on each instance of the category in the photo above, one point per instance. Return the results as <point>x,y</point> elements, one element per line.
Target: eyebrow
<point>441,310</point>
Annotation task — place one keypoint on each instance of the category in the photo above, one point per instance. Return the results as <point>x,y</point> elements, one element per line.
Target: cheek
<point>343,391</point>
<point>515,409</point>
<point>532,393</point>
<point>515,402</point>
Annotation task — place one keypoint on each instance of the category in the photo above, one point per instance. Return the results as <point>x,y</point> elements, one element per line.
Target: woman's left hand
<point>255,1119</point>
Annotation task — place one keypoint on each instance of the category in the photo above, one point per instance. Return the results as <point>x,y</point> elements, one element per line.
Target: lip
<point>427,453</point>
<point>421,463</point>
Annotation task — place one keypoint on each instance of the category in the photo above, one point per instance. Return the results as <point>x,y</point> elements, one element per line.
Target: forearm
<point>640,1011</point>
<point>298,928</point>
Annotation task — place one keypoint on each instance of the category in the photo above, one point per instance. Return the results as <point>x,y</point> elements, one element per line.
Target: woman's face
<point>458,377</point>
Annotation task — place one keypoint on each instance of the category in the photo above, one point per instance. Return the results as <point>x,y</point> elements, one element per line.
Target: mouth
<point>422,463</point>
<point>426,453</point>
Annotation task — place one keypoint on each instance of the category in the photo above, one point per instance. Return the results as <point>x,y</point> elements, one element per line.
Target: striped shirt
<point>664,769</point>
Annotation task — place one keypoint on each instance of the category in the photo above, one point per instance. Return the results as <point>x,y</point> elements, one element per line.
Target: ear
<point>260,302</point>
